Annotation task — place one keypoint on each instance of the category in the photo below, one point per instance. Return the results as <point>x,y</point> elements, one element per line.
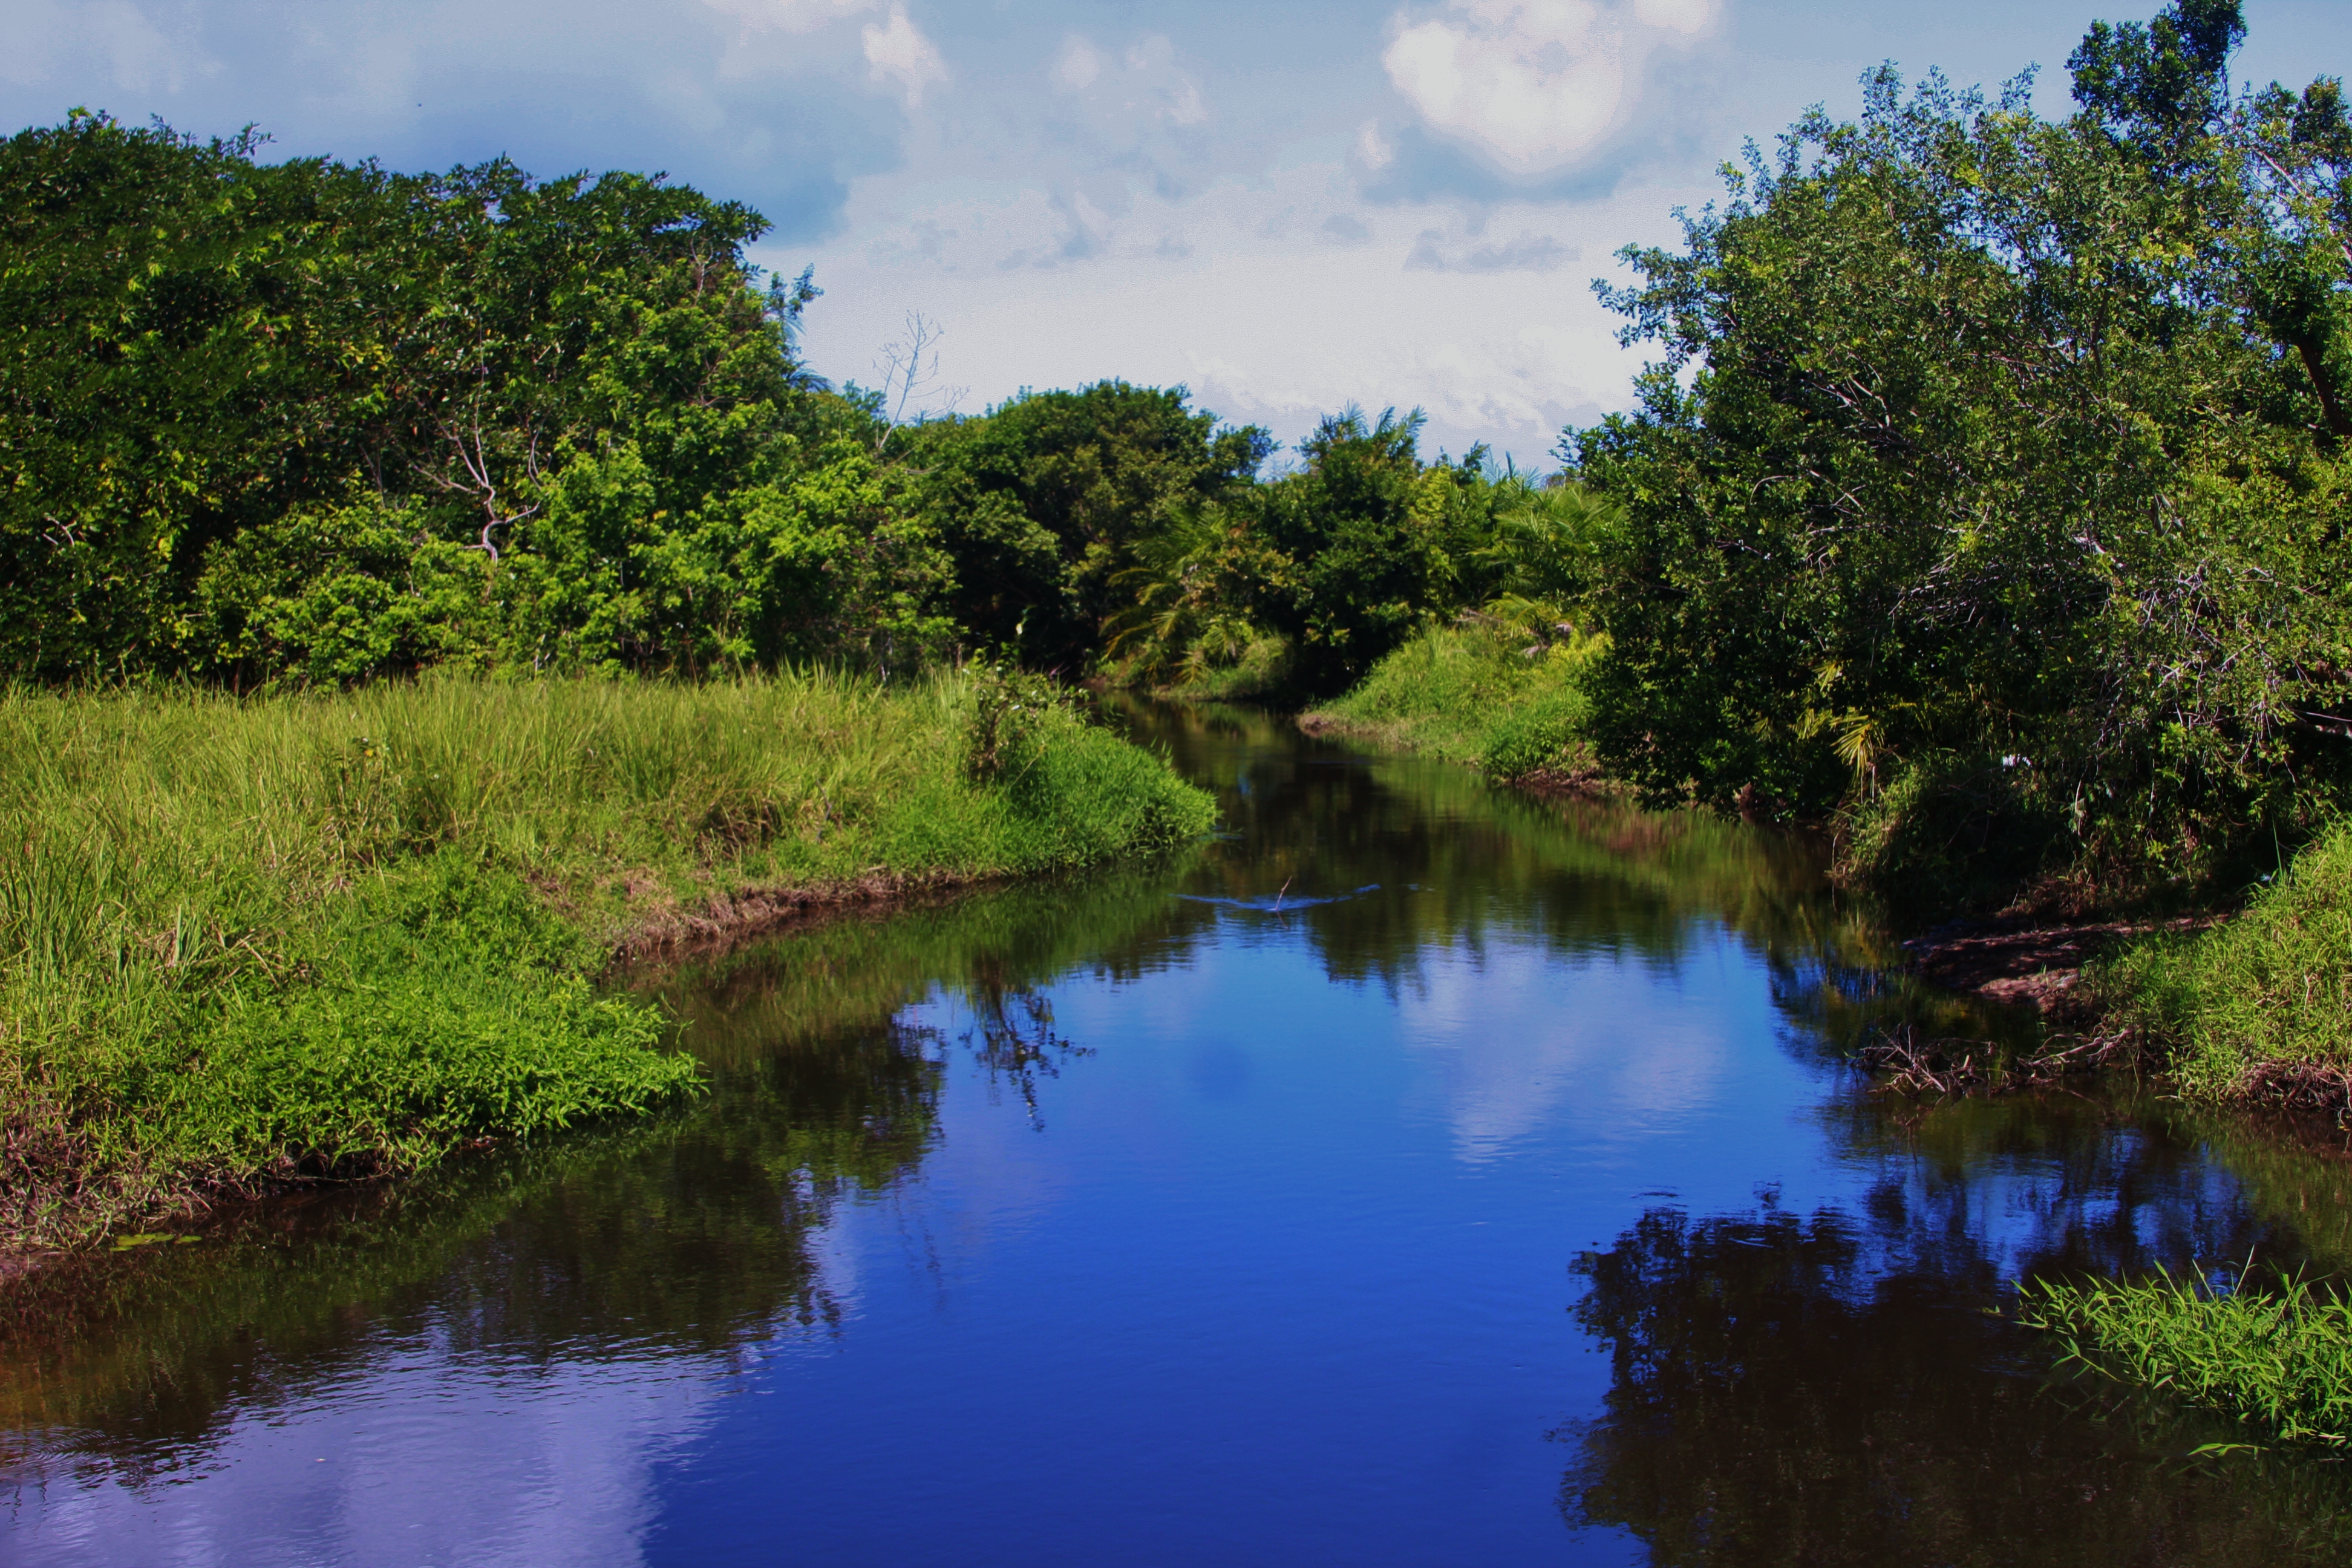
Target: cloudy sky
<point>1287,205</point>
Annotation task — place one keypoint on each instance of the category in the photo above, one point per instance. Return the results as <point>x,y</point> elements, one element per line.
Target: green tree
<point>1981,483</point>
<point>1040,502</point>
<point>1367,540</point>
<point>318,418</point>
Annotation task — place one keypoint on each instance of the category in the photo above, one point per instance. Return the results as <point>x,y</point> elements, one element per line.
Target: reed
<point>2278,1359</point>
<point>313,936</point>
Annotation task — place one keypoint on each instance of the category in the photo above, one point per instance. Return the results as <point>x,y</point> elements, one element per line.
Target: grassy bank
<point>1257,672</point>
<point>252,941</point>
<point>1477,692</point>
<point>2259,1007</point>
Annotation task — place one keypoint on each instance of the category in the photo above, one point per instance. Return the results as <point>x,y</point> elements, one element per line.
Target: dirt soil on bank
<point>748,914</point>
<point>2025,962</point>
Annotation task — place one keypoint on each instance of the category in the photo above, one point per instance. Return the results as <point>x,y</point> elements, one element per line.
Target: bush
<point>1477,692</point>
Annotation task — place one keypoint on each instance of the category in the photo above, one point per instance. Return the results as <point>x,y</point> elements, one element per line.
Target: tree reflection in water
<point>683,1240</point>
<point>1842,1387</point>
<point>1824,1387</point>
<point>1012,1038</point>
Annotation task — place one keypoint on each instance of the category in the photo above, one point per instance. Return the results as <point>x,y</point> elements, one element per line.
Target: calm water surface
<point>1417,1174</point>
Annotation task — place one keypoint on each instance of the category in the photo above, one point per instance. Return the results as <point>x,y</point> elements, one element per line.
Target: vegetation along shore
<point>329,934</point>
<point>1984,507</point>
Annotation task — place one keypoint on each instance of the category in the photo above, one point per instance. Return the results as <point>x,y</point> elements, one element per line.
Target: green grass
<point>1475,694</point>
<point>2279,1359</point>
<point>2269,989</point>
<point>304,936</point>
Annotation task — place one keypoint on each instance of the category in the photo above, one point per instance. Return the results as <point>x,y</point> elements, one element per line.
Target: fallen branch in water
<point>1920,1067</point>
<point>2297,1086</point>
<point>1952,1066</point>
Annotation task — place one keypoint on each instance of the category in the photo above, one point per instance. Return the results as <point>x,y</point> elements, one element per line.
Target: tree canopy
<point>1996,463</point>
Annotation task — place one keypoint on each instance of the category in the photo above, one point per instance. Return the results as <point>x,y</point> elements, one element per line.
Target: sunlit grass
<point>327,934</point>
<point>1476,694</point>
<point>2279,1359</point>
<point>2269,988</point>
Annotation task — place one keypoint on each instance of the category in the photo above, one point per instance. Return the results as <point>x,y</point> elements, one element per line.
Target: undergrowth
<point>2279,1359</point>
<point>306,937</point>
<point>1479,693</point>
<point>2248,1007</point>
<point>1259,672</point>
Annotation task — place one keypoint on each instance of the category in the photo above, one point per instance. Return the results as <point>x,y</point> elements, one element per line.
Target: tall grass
<point>2280,1360</point>
<point>2265,995</point>
<point>1477,693</point>
<point>318,935</point>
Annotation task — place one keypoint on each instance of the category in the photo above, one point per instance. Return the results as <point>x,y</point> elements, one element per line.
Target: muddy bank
<point>730,919</point>
<point>2028,963</point>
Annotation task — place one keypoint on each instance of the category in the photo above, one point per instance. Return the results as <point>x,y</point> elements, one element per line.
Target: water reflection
<point>1840,1386</point>
<point>1242,1185</point>
<point>595,1247</point>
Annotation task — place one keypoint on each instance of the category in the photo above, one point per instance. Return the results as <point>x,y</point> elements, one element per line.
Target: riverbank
<point>1479,693</point>
<point>261,941</point>
<point>2250,1005</point>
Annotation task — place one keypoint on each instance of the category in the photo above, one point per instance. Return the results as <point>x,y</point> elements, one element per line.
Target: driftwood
<point>2297,1086</point>
<point>1954,1066</point>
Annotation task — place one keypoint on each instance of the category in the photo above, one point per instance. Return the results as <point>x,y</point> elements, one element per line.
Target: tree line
<point>1986,492</point>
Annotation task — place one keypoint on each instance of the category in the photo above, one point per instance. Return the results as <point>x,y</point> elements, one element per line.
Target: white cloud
<point>1276,298</point>
<point>899,50</point>
<point>1130,111</point>
<point>1529,253</point>
<point>1079,64</point>
<point>794,16</point>
<point>1184,105</point>
<point>1372,147</point>
<point>1532,83</point>
<point>111,42</point>
<point>1688,17</point>
<point>1153,76</point>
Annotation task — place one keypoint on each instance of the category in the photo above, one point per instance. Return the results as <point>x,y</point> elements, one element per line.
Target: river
<point>1418,1174</point>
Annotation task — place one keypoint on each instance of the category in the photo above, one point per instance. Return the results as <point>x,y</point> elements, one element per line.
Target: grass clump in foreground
<point>1484,692</point>
<point>2261,1005</point>
<point>2280,1361</point>
<point>341,934</point>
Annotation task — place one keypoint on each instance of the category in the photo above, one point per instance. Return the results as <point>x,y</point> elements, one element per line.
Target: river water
<point>1419,1174</point>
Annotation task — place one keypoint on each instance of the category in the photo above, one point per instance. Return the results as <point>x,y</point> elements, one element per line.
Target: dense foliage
<point>321,421</point>
<point>1358,547</point>
<point>322,418</point>
<point>1991,478</point>
<point>1987,493</point>
<point>1041,502</point>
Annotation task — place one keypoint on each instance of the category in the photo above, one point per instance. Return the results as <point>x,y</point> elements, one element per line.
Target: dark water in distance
<point>1418,1175</point>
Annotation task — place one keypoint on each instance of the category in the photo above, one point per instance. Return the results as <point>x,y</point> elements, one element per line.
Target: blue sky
<point>1286,207</point>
